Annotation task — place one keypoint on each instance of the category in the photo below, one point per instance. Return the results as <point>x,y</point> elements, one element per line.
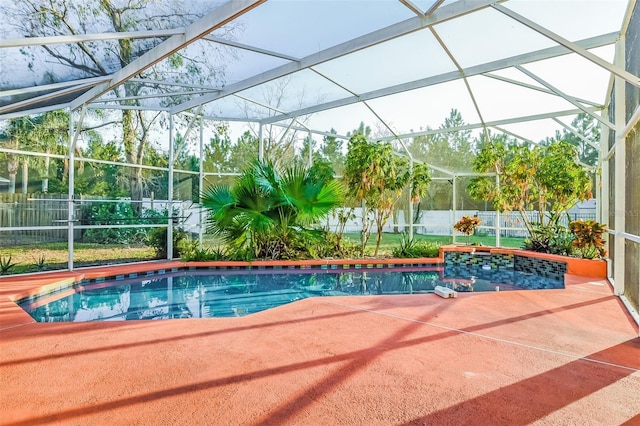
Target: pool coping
<point>28,285</point>
<point>155,268</point>
<point>575,266</point>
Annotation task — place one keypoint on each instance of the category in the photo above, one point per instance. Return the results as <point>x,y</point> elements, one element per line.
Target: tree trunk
<point>12,169</point>
<point>381,220</point>
<point>363,237</point>
<point>136,187</point>
<point>12,183</point>
<point>378,239</point>
<point>132,150</point>
<point>132,157</point>
<point>25,176</point>
<point>366,228</point>
<point>45,178</point>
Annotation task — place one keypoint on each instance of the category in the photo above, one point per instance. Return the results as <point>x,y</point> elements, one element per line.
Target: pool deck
<point>546,357</point>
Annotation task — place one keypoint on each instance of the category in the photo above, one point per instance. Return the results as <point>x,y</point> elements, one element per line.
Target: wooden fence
<point>37,212</point>
<point>33,211</point>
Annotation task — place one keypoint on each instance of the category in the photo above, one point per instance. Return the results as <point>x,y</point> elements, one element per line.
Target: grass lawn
<point>53,256</point>
<point>389,241</point>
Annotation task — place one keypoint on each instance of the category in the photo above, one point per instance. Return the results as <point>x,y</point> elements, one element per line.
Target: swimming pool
<point>227,293</point>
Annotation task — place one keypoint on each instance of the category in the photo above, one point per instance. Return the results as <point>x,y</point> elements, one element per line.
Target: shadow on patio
<point>503,358</point>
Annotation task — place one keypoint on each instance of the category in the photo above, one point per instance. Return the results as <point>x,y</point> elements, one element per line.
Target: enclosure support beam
<point>444,47</point>
<point>309,136</point>
<point>410,219</point>
<point>602,200</point>
<point>86,38</point>
<point>153,96</point>
<point>77,130</point>
<point>70,206</point>
<point>498,216</point>
<point>74,133</point>
<point>503,122</point>
<point>433,7</point>
<point>260,144</point>
<point>170,193</point>
<point>454,208</point>
<point>52,87</point>
<point>412,7</point>
<point>635,117</point>
<point>536,88</point>
<point>48,97</point>
<point>201,185</point>
<point>620,173</point>
<point>242,46</point>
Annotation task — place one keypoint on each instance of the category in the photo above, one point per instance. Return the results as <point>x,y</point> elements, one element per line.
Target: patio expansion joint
<point>18,325</point>
<point>483,336</point>
<point>584,290</point>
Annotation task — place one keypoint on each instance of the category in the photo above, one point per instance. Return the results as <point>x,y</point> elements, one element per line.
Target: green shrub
<point>305,244</point>
<point>588,240</point>
<point>481,233</point>
<point>244,254</point>
<point>41,262</point>
<point>410,248</point>
<point>552,239</point>
<point>330,245</point>
<point>6,264</point>
<point>191,252</point>
<point>158,240</point>
<point>117,214</point>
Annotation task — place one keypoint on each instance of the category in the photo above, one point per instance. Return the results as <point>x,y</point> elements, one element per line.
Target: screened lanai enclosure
<point>115,115</point>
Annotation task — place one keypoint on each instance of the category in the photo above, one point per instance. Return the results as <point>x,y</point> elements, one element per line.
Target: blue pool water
<point>228,293</point>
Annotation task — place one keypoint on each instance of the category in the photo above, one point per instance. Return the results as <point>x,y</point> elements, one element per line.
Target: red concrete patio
<point>556,357</point>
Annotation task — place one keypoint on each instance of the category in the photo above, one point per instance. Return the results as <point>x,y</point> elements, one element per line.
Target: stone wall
<point>506,262</point>
<point>541,267</point>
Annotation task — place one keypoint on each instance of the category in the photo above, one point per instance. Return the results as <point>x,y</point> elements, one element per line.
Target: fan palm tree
<point>267,208</point>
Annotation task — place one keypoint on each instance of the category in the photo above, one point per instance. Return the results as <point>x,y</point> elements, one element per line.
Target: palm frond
<point>266,176</point>
<point>314,200</point>
<point>219,201</point>
<point>217,196</point>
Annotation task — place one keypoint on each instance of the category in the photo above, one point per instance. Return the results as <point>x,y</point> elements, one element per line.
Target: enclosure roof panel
<point>301,28</point>
<point>414,56</point>
<point>497,36</point>
<point>298,90</point>
<point>575,19</point>
<point>430,106</point>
